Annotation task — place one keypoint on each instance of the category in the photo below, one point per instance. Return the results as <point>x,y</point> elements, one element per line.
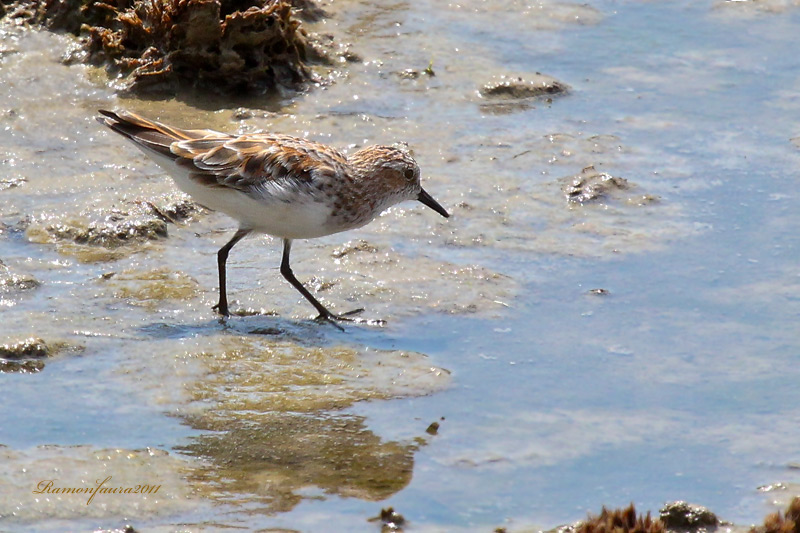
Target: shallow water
<point>678,383</point>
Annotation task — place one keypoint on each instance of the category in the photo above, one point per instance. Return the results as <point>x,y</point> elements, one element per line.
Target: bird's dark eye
<point>409,174</point>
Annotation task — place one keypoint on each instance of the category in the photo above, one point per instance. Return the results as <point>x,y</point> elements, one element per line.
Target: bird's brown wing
<point>256,162</point>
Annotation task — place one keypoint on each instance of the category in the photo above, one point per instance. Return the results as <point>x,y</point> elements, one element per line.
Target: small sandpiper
<point>280,185</point>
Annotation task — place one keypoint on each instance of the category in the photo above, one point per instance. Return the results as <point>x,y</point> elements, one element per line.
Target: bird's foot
<point>221,309</point>
<point>347,317</point>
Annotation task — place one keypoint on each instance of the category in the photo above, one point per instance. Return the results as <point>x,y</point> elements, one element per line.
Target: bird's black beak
<point>428,200</point>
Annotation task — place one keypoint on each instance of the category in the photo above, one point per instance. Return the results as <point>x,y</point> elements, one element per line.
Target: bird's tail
<point>149,134</point>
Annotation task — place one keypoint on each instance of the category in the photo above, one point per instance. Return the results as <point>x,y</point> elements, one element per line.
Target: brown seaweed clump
<point>620,521</point>
<point>226,46</point>
<point>789,522</point>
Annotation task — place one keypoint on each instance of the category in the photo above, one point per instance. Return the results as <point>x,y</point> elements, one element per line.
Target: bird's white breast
<point>290,214</point>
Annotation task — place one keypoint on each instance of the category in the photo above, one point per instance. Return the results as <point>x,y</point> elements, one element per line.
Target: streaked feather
<point>251,163</point>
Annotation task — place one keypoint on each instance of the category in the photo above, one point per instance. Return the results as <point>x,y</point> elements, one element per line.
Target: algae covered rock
<point>510,87</point>
<point>686,516</point>
<point>593,186</point>
<point>508,94</point>
<point>113,228</point>
<point>23,356</point>
<point>28,355</point>
<point>26,348</point>
<point>590,185</point>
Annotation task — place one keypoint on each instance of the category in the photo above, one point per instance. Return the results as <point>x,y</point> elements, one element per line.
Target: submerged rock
<point>29,355</point>
<point>149,287</point>
<point>508,94</point>
<point>114,228</point>
<point>598,292</point>
<point>23,356</point>
<point>353,247</point>
<point>509,87</point>
<point>251,46</point>
<point>11,182</point>
<point>10,281</point>
<point>27,348</point>
<point>433,428</point>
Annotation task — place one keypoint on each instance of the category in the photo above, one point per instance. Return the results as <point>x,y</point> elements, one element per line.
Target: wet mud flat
<point>562,262</point>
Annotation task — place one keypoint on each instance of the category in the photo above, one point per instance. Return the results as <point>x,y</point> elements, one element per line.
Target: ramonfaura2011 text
<point>47,486</point>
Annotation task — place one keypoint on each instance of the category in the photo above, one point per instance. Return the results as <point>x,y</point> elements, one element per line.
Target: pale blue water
<point>708,383</point>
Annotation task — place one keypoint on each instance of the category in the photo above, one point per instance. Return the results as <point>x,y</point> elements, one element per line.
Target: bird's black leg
<point>222,258</point>
<point>287,273</point>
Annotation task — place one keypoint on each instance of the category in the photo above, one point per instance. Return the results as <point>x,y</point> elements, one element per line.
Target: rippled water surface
<point>643,347</point>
